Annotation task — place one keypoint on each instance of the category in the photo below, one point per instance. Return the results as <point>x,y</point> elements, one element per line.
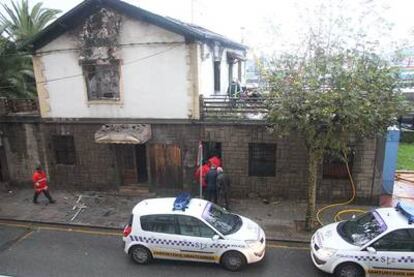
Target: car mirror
<point>216,237</point>
<point>371,250</point>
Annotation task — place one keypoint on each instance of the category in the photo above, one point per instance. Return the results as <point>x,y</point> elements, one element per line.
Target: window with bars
<point>262,159</point>
<point>64,147</point>
<point>102,81</point>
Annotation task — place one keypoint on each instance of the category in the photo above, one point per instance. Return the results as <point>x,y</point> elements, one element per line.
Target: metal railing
<point>232,108</point>
<point>17,106</point>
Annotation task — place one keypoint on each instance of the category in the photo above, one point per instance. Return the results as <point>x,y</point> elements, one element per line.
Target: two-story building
<point>126,95</point>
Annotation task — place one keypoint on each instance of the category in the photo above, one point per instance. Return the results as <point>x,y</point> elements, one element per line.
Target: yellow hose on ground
<point>338,214</point>
<point>341,203</point>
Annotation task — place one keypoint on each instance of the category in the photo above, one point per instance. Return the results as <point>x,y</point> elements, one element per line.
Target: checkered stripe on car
<point>180,242</point>
<point>367,258</point>
<point>406,259</point>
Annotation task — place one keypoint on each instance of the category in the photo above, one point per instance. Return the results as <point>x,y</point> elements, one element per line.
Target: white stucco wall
<point>153,76</point>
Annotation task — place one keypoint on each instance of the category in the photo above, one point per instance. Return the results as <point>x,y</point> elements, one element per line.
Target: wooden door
<point>127,165</point>
<point>165,163</point>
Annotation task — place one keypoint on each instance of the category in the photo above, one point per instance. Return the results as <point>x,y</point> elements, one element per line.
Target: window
<point>262,159</point>
<point>64,147</point>
<point>335,167</point>
<point>217,75</point>
<point>102,81</point>
<point>399,241</point>
<point>190,226</point>
<point>159,223</point>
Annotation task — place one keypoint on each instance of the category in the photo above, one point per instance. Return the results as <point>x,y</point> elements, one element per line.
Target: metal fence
<point>14,106</point>
<point>232,108</point>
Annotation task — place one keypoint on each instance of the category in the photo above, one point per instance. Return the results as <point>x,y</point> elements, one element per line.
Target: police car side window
<point>190,226</point>
<point>399,240</point>
<point>159,223</point>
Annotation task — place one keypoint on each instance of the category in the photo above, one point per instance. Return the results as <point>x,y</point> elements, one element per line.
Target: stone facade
<point>97,168</point>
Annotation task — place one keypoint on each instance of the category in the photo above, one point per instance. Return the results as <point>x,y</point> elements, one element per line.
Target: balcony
<point>18,107</point>
<point>224,108</point>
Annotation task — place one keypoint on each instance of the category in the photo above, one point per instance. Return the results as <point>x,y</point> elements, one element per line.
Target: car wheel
<point>349,270</point>
<point>140,254</point>
<point>233,260</point>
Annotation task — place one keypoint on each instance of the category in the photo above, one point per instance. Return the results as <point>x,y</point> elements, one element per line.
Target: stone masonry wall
<point>291,166</point>
<point>95,163</point>
<point>28,143</point>
<point>22,143</point>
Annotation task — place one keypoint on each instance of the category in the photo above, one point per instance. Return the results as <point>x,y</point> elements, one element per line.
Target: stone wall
<point>21,145</point>
<point>95,163</point>
<point>95,168</point>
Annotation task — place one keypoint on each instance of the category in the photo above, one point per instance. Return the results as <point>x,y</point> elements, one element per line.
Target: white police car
<point>377,243</point>
<point>192,229</point>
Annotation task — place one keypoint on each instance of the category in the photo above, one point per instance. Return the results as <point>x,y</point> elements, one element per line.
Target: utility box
<point>390,159</point>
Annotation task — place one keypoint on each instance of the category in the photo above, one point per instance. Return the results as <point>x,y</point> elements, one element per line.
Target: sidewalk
<point>279,219</point>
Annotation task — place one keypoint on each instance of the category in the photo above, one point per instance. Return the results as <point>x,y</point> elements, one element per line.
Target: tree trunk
<point>314,158</point>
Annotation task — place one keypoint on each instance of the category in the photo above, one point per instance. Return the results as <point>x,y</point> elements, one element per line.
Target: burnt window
<point>102,80</point>
<point>64,147</point>
<point>217,76</point>
<point>262,159</point>
<point>334,165</point>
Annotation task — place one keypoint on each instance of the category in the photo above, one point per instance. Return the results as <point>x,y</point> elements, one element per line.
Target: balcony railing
<point>18,106</point>
<point>229,108</point>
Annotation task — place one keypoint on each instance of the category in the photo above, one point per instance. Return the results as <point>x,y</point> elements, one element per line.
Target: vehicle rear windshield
<point>362,229</point>
<point>224,221</point>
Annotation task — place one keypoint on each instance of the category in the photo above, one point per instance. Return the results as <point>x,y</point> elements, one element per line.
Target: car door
<point>394,252</point>
<point>196,239</point>
<point>160,235</point>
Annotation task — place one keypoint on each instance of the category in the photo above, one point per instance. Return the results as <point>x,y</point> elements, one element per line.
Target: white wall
<point>153,76</point>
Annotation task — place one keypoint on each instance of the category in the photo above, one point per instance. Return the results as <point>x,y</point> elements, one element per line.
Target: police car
<point>194,230</point>
<point>377,243</point>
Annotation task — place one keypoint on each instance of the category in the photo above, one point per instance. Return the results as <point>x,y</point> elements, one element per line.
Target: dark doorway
<point>4,172</point>
<point>127,166</point>
<point>210,149</point>
<point>141,156</point>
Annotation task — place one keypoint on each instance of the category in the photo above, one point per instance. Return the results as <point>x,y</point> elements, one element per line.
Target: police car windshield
<point>362,229</point>
<point>225,222</point>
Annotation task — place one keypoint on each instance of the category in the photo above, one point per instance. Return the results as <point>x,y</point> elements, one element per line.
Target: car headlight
<point>253,243</point>
<point>326,253</point>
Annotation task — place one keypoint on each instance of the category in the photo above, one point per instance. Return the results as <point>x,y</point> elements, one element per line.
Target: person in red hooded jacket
<point>40,185</point>
<point>215,160</point>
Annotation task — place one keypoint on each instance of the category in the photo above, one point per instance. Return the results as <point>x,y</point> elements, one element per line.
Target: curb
<point>37,222</point>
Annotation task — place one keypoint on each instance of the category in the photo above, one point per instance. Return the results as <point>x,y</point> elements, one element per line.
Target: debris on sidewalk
<point>78,205</point>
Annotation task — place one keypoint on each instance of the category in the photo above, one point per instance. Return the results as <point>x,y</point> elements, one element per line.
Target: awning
<point>123,133</point>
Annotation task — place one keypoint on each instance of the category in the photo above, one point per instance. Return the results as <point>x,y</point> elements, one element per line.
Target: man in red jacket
<point>40,185</point>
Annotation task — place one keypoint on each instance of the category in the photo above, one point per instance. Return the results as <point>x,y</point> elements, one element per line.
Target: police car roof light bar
<point>182,201</point>
<point>406,210</point>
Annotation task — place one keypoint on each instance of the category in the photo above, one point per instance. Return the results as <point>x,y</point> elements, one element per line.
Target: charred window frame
<point>262,159</point>
<point>64,147</point>
<point>102,80</point>
<point>334,166</point>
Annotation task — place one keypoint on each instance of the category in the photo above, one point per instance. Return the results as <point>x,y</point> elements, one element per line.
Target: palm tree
<point>16,71</point>
<point>21,22</point>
